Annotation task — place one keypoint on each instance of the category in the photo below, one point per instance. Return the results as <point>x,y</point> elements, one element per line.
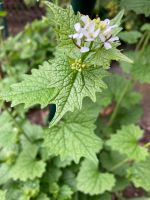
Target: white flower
<point>107,41</point>
<point>85,19</point>
<point>106,35</point>
<point>90,33</point>
<point>79,33</point>
<point>88,30</point>
<point>84,49</point>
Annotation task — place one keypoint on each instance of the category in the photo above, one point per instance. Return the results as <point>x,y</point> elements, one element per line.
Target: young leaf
<point>117,21</point>
<point>74,137</point>
<point>126,141</point>
<point>64,21</point>
<point>71,86</point>
<point>139,174</point>
<point>26,166</point>
<point>91,181</point>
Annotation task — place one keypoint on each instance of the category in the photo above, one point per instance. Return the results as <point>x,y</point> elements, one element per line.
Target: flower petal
<point>107,45</point>
<point>84,49</point>
<point>107,31</point>
<point>107,21</point>
<point>102,38</point>
<point>77,27</point>
<point>85,18</point>
<point>96,33</point>
<point>113,39</point>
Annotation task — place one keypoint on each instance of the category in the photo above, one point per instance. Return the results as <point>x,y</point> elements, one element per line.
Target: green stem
<point>147,37</point>
<point>140,42</point>
<point>119,164</point>
<point>114,114</point>
<point>84,55</point>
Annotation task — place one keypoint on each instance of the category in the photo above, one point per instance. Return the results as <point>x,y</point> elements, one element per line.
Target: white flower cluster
<point>88,30</point>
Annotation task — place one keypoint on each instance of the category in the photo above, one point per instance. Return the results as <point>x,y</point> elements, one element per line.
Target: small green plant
<point>26,50</point>
<point>85,153</point>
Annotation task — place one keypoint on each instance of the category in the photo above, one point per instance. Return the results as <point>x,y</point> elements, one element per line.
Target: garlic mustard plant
<point>92,148</point>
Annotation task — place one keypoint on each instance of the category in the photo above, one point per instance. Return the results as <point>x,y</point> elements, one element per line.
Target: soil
<point>18,14</point>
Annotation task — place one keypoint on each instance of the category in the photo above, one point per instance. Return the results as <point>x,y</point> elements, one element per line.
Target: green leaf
<point>34,132</point>
<point>30,189</point>
<point>65,193</point>
<point>4,173</point>
<point>111,160</point>
<point>51,177</point>
<point>8,134</point>
<point>138,6</point>
<point>43,197</point>
<point>103,57</point>
<point>74,137</point>
<point>70,179</point>
<point>145,27</point>
<point>139,174</point>
<point>126,142</point>
<point>72,86</point>
<point>2,195</point>
<point>140,69</point>
<point>130,37</point>
<point>117,21</point>
<point>64,20</point>
<point>91,181</point>
<point>105,196</point>
<point>121,183</point>
<point>126,116</point>
<point>33,90</point>
<point>26,166</point>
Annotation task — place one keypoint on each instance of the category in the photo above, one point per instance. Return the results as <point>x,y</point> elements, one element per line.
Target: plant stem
<point>83,57</point>
<point>147,37</point>
<point>119,164</point>
<point>140,42</point>
<point>114,114</point>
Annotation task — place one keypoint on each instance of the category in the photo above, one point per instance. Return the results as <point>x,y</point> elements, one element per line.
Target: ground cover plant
<point>92,149</point>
